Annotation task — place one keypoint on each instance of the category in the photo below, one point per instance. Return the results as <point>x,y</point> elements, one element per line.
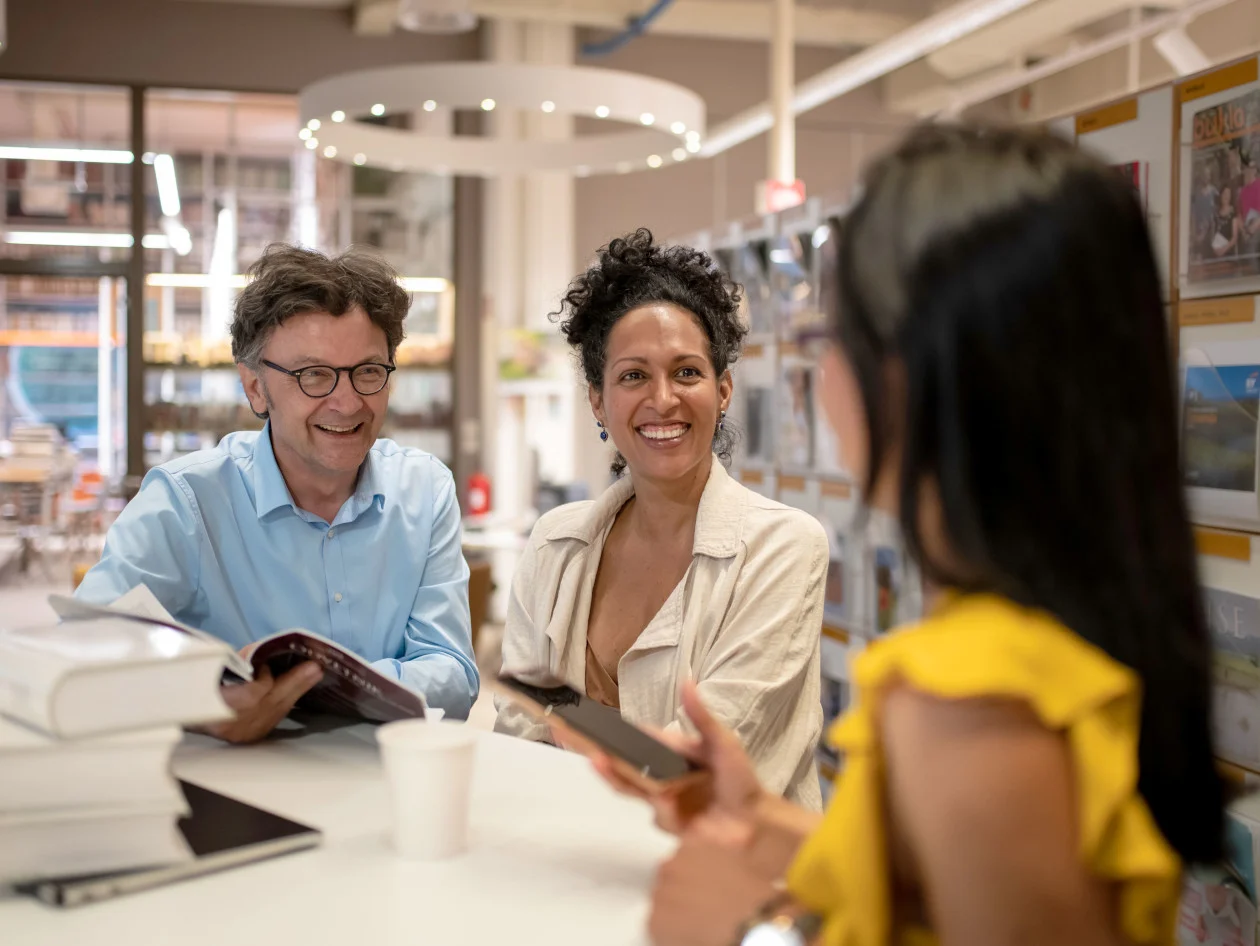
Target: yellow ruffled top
<point>987,646</point>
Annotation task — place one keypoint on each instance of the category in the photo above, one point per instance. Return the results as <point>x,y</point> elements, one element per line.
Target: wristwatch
<point>780,922</point>
<point>782,930</point>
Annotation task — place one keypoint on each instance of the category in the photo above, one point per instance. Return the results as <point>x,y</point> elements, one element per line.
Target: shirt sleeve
<point>525,652</point>
<point>761,676</point>
<point>155,541</point>
<point>437,657</point>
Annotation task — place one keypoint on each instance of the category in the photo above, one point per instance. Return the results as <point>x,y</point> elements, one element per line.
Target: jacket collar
<point>719,520</point>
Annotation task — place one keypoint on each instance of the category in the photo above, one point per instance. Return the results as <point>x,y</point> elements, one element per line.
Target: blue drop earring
<point>603,434</point>
<point>722,420</point>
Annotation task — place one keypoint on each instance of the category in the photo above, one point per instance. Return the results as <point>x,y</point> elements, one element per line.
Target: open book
<point>351,686</point>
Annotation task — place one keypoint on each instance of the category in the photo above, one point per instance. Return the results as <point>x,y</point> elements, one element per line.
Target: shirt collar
<point>271,492</point>
<point>719,520</point>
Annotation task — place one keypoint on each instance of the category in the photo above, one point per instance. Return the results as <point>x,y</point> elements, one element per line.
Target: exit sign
<point>774,196</point>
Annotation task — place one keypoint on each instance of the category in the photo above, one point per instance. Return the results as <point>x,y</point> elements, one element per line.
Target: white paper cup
<point>429,767</point>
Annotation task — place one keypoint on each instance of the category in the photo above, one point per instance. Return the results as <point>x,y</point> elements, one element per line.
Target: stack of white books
<point>90,712</point>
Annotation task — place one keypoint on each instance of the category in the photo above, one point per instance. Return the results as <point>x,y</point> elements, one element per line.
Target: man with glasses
<point>311,522</point>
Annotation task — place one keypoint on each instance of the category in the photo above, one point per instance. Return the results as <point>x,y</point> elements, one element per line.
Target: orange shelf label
<point>794,483</point>
<point>838,634</point>
<point>756,477</point>
<point>1240,73</point>
<point>1222,544</point>
<point>1107,116</point>
<point>1228,311</point>
<point>836,490</point>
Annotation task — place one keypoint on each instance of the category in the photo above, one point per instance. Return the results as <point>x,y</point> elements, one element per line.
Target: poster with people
<point>1224,199</point>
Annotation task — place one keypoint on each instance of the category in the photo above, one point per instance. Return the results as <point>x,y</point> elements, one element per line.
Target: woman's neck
<point>664,509</point>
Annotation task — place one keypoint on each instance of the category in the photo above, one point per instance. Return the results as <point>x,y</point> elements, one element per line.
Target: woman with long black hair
<point>1030,764</point>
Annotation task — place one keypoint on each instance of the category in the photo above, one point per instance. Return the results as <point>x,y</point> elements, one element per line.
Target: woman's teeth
<point>672,432</point>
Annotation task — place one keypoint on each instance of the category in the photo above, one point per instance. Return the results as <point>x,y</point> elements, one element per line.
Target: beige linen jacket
<point>744,623</point>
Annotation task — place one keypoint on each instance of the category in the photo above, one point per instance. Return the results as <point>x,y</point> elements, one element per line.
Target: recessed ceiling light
<point>360,159</point>
<point>330,152</point>
<point>312,143</point>
<point>304,133</point>
<point>548,107</point>
<point>654,161</point>
<point>487,105</point>
<point>146,158</point>
<point>430,105</point>
<point>313,124</point>
<point>647,118</point>
<point>678,128</point>
<point>693,135</point>
<point>694,146</point>
<point>680,154</point>
<point>339,116</point>
<point>378,109</point>
<point>603,111</point>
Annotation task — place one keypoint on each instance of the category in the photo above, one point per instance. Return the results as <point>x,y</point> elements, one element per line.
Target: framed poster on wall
<point>1220,181</point>
<point>1220,431</point>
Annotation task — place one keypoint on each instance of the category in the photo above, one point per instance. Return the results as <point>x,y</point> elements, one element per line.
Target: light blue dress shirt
<point>217,538</point>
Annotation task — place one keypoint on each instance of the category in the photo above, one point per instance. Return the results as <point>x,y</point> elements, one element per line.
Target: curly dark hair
<point>633,271</point>
<point>288,280</point>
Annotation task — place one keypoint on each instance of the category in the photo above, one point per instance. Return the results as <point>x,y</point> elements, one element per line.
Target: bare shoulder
<point>973,749</point>
<point>982,797</point>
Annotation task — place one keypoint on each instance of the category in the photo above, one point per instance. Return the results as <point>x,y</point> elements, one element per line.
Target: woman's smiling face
<point>661,399</point>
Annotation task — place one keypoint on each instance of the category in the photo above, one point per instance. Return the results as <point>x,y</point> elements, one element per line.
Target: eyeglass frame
<point>350,370</point>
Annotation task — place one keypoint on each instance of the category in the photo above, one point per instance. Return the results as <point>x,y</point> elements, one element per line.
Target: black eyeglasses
<point>321,380</point>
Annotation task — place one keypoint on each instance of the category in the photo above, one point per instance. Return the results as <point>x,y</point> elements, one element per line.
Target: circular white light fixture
<point>678,128</point>
<point>680,154</point>
<point>694,146</point>
<point>360,159</point>
<point>304,133</point>
<point>430,105</point>
<point>313,124</point>
<point>548,106</point>
<point>330,151</point>
<point>312,143</point>
<point>654,161</point>
<point>572,90</point>
<point>339,116</point>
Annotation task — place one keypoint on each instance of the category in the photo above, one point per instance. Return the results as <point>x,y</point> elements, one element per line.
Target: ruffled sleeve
<point>985,646</point>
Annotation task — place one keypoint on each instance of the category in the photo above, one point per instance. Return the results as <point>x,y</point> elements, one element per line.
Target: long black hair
<point>1010,278</point>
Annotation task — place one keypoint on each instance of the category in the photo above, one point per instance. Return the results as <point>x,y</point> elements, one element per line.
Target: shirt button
<point>331,533</point>
<point>337,596</point>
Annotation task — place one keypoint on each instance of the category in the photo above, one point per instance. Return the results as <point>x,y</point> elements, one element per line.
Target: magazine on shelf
<point>351,687</point>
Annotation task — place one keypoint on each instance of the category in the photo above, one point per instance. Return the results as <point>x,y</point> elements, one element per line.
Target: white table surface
<point>554,857</point>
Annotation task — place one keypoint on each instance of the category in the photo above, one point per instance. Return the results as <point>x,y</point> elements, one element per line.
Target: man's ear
<point>254,391</point>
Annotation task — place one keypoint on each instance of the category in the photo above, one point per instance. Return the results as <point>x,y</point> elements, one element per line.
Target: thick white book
<point>85,678</point>
<point>54,843</point>
<point>41,772</point>
<point>142,604</point>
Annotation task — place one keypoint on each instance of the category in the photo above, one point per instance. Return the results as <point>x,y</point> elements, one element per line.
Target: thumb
<point>709,728</point>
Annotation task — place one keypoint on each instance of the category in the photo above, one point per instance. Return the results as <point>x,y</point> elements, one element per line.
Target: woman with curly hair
<point>677,572</point>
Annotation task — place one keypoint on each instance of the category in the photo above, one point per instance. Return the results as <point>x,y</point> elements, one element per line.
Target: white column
<point>782,162</point>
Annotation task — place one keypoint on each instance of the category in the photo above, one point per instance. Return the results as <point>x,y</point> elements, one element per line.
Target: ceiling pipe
<point>983,90</point>
<point>915,42</point>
